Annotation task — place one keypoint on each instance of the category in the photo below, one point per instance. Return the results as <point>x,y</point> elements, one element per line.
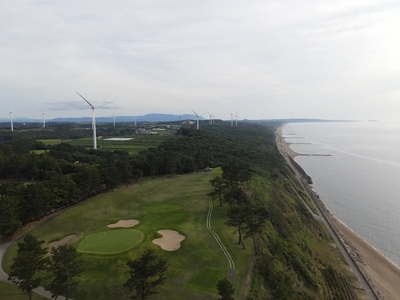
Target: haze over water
<point>360,182</point>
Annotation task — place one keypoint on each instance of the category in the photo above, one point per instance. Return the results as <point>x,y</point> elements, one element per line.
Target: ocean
<point>358,178</point>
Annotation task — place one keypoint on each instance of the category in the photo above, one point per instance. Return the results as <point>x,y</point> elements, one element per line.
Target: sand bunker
<point>65,240</point>
<point>170,241</point>
<point>124,223</point>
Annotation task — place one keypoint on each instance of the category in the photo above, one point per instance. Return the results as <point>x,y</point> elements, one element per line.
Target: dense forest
<point>38,179</point>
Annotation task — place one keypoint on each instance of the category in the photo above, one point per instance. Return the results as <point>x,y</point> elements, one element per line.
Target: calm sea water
<point>360,182</point>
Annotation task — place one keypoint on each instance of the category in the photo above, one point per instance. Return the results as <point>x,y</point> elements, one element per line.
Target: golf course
<point>177,203</point>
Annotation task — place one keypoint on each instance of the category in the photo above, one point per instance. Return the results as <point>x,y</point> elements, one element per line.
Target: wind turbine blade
<point>108,102</point>
<point>195,113</point>
<point>85,99</point>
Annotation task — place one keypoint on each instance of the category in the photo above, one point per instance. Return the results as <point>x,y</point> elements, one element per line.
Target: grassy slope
<point>308,241</point>
<point>179,203</point>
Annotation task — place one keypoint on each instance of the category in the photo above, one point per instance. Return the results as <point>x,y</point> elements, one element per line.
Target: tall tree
<point>9,221</point>
<point>239,211</point>
<point>225,289</point>
<point>125,171</point>
<point>29,261</point>
<point>219,189</point>
<point>147,272</point>
<point>66,265</point>
<point>255,223</point>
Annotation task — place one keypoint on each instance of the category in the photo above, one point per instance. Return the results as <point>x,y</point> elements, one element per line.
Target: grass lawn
<point>134,146</point>
<point>110,242</point>
<point>179,203</point>
<point>12,292</point>
<point>50,141</point>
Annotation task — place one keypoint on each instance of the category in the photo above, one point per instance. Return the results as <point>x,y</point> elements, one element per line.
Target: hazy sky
<point>264,59</point>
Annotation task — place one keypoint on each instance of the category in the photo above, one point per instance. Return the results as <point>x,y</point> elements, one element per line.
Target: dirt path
<point>231,276</point>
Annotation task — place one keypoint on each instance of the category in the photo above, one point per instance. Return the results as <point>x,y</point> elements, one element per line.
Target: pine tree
<point>225,289</point>
<point>29,261</point>
<point>65,264</point>
<point>147,272</point>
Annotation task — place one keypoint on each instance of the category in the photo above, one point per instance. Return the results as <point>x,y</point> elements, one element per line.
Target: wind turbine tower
<point>93,122</point>
<point>236,118</point>
<point>44,119</point>
<point>12,119</point>
<point>231,119</point>
<point>197,119</point>
<point>114,119</point>
<point>211,118</point>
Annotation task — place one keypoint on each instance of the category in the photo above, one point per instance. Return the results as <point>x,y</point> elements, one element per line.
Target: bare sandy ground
<point>124,224</point>
<point>170,241</point>
<point>65,240</point>
<point>382,273</point>
<point>285,145</point>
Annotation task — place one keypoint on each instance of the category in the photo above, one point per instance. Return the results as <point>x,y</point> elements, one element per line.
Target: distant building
<point>188,122</point>
<point>140,131</point>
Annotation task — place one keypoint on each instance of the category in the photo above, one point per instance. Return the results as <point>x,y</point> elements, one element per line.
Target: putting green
<point>110,242</point>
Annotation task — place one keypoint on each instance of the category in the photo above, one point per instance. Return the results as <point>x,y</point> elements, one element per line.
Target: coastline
<point>382,274</point>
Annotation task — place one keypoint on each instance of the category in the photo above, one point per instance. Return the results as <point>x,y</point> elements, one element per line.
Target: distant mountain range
<point>145,118</point>
<point>154,117</point>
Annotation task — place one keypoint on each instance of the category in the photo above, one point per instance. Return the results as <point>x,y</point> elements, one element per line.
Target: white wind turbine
<point>93,120</point>
<point>114,119</point>
<point>211,118</point>
<point>197,119</point>
<point>12,119</point>
<point>231,119</point>
<point>44,118</point>
<point>236,118</point>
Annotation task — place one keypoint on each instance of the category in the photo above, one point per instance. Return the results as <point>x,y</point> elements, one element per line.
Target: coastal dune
<point>381,273</point>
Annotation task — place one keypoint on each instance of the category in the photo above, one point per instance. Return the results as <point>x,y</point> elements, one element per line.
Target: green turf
<point>110,242</point>
<point>205,279</point>
<point>51,141</point>
<point>12,292</point>
<point>178,203</point>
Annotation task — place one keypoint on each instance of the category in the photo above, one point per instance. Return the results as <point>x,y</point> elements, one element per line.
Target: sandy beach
<point>380,272</point>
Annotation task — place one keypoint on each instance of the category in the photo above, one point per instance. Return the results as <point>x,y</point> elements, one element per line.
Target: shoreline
<point>382,274</point>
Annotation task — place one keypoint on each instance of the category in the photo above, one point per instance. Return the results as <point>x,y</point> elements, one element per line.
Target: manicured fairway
<point>111,241</point>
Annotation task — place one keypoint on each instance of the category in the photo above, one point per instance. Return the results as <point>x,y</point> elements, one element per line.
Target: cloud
<point>264,58</point>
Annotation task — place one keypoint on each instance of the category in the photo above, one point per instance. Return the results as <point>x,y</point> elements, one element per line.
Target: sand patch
<point>170,241</point>
<point>65,240</point>
<point>283,145</point>
<point>124,224</point>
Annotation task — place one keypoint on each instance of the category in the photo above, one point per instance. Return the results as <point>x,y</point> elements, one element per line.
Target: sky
<point>262,59</point>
